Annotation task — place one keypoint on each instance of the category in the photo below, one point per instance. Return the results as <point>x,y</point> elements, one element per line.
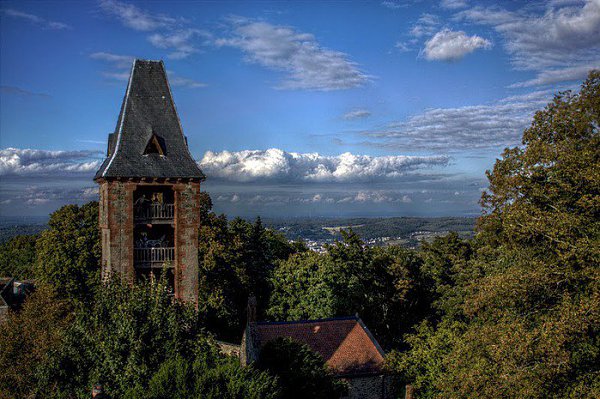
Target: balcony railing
<point>153,257</point>
<point>154,211</point>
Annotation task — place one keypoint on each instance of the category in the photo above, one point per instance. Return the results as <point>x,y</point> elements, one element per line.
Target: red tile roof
<point>345,344</point>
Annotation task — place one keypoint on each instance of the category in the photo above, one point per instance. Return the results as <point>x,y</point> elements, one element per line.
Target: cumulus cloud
<point>290,167</point>
<point>356,114</point>
<point>448,45</point>
<point>34,19</point>
<point>136,18</point>
<point>471,127</point>
<point>306,63</point>
<point>565,35</point>
<point>28,162</point>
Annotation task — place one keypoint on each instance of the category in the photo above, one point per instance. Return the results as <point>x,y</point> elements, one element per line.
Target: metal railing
<point>153,256</point>
<point>154,211</point>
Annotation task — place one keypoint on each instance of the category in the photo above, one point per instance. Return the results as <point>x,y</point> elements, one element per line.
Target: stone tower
<point>150,189</point>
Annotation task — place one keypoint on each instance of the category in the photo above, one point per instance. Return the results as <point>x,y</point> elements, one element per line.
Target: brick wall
<point>369,387</point>
<point>187,224</point>
<point>116,224</point>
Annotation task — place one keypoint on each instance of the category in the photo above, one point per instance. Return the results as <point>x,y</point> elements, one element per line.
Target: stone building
<point>345,343</point>
<point>150,189</point>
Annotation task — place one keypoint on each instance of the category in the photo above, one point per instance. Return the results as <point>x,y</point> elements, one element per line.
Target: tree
<point>17,257</point>
<point>302,288</point>
<point>123,338</point>
<point>208,375</point>
<point>27,339</point>
<point>301,372</point>
<point>236,259</point>
<point>68,252</point>
<point>528,309</point>
<point>383,285</point>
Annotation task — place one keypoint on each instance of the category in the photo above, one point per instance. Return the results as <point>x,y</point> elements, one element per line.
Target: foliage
<point>383,285</point>
<point>208,375</point>
<point>123,338</point>
<point>17,257</point>
<point>27,340</point>
<point>68,252</point>
<point>302,372</point>
<point>236,260</point>
<point>522,318</point>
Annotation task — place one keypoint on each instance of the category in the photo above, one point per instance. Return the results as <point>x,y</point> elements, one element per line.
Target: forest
<point>513,312</point>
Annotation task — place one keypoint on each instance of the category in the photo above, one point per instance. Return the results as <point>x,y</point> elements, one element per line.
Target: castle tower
<point>150,189</point>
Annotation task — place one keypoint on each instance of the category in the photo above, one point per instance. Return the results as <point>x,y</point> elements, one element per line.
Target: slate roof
<point>346,344</point>
<point>148,109</point>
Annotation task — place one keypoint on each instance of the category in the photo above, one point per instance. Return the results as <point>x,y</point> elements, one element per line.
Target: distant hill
<point>408,228</point>
<point>14,226</point>
<point>402,230</point>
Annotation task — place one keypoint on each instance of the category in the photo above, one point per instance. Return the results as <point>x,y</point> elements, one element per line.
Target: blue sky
<point>331,108</point>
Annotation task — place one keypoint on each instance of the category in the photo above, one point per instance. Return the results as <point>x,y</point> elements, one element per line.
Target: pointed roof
<point>148,115</point>
<point>345,343</point>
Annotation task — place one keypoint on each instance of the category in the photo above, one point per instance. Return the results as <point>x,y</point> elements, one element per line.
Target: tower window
<point>155,146</point>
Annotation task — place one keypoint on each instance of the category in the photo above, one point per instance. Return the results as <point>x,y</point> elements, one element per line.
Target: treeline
<point>514,312</point>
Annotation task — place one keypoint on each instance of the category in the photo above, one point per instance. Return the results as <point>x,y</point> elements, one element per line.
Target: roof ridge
<point>329,319</point>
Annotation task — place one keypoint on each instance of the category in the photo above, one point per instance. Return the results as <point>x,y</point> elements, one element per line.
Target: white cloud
<point>357,114</point>
<point>121,68</point>
<point>426,25</point>
<point>280,166</point>
<point>470,127</point>
<point>449,45</point>
<point>566,35</point>
<point>179,42</point>
<point>453,4</point>
<point>552,76</point>
<point>299,55</point>
<point>90,193</point>
<point>179,81</point>
<point>136,18</point>
<point>44,23</point>
<point>117,60</point>
<point>28,162</point>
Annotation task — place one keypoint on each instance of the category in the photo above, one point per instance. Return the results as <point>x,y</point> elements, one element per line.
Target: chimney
<point>251,310</point>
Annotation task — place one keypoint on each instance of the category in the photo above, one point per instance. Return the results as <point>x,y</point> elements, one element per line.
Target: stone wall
<point>369,387</point>
<point>187,225</point>
<point>116,225</point>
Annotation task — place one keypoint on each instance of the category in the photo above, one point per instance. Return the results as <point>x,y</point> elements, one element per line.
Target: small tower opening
<point>154,146</point>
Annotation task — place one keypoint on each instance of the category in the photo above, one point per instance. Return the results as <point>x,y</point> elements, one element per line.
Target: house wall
<point>369,387</point>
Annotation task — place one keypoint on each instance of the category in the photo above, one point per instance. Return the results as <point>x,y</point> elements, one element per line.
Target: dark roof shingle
<point>345,344</point>
<point>148,109</point>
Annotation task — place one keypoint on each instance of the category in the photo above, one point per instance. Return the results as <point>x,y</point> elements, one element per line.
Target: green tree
<point>383,285</point>
<point>236,260</point>
<point>207,376</point>
<point>17,257</point>
<point>302,288</point>
<point>122,339</point>
<point>68,252</point>
<point>530,296</point>
<point>301,372</point>
<point>27,339</point>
